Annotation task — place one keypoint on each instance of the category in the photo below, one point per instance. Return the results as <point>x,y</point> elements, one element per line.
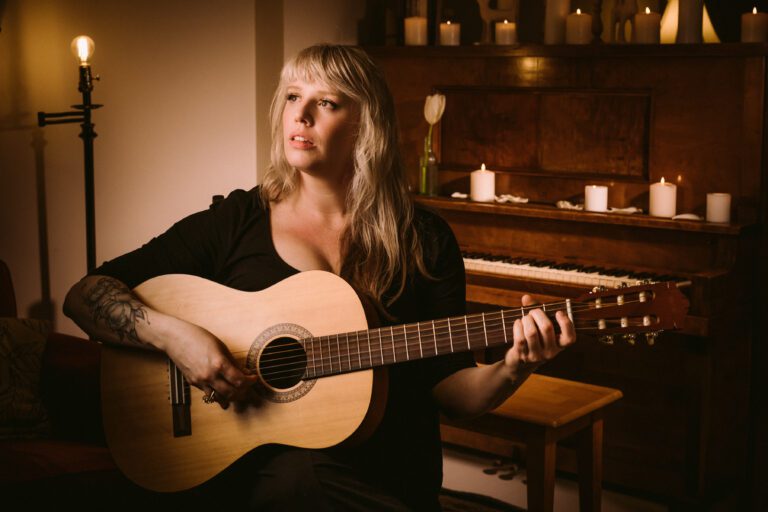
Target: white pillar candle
<point>647,27</point>
<point>506,32</point>
<point>450,34</point>
<point>416,31</point>
<point>555,13</point>
<point>754,27</point>
<point>663,199</point>
<point>718,207</point>
<point>578,28</point>
<point>595,198</point>
<point>482,185</point>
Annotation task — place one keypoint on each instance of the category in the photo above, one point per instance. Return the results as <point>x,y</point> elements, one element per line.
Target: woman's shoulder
<point>247,202</point>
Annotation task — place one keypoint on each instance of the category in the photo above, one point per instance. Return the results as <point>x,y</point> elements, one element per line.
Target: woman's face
<point>320,127</point>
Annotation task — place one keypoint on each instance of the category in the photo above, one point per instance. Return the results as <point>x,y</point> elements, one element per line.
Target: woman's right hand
<point>207,363</point>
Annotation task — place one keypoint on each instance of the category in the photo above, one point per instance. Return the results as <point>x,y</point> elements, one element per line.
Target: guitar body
<point>136,384</point>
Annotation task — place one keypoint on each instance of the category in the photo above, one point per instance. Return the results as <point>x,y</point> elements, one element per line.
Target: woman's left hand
<point>535,339</point>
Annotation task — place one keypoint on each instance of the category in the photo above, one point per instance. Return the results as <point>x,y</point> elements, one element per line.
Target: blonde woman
<point>335,199</point>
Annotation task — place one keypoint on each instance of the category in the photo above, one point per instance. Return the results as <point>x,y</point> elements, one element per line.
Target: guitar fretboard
<point>359,350</point>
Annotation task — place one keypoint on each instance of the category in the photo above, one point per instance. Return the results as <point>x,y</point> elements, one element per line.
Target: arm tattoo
<point>111,301</point>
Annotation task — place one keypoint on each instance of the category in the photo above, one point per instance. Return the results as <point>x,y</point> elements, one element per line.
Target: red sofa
<point>72,465</point>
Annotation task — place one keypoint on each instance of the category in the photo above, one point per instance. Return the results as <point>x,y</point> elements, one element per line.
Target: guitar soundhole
<point>282,363</point>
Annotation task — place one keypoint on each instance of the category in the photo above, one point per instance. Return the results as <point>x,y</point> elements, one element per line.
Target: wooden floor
<point>464,471</point>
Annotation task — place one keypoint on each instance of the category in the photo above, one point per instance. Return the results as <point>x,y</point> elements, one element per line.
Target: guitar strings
<point>493,326</point>
<point>395,337</point>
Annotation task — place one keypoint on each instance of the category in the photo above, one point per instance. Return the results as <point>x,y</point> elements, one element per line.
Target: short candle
<point>578,28</point>
<point>663,200</point>
<point>719,207</point>
<point>754,27</point>
<point>506,33</point>
<point>450,34</point>
<point>595,198</point>
<point>647,28</point>
<point>482,185</point>
<point>416,31</point>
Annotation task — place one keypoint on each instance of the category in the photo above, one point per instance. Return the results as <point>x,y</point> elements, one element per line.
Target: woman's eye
<point>327,103</point>
<point>292,97</point>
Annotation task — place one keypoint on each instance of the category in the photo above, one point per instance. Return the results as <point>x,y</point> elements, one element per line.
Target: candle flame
<point>754,10</point>
<point>482,167</point>
<point>505,22</point>
<point>679,178</point>
<point>448,22</point>
<point>662,179</point>
<point>578,11</point>
<point>647,10</point>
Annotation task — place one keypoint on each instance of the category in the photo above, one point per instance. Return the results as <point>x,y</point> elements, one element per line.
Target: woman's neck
<point>323,197</point>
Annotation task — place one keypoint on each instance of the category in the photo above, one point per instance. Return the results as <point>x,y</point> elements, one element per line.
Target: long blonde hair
<point>380,244</point>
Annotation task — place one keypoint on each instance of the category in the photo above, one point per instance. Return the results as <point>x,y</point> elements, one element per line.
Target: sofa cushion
<point>22,342</point>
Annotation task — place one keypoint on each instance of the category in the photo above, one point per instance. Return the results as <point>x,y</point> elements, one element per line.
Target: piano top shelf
<point>545,211</point>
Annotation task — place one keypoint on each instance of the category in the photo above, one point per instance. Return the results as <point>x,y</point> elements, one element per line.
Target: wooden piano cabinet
<point>627,116</point>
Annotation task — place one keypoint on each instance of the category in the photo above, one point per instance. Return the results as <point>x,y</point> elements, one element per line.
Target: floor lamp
<point>82,47</point>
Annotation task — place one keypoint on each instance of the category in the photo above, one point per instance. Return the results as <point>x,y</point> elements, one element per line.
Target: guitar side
<point>136,405</point>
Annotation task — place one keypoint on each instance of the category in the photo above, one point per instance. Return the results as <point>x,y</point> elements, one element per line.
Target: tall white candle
<point>663,200</point>
<point>690,21</point>
<point>754,27</point>
<point>482,185</point>
<point>647,27</point>
<point>416,31</point>
<point>578,28</point>
<point>506,32</point>
<point>555,13</point>
<point>718,207</point>
<point>595,198</point>
<point>450,34</point>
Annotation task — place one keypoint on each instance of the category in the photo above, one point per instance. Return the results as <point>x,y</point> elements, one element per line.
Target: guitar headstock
<point>646,308</point>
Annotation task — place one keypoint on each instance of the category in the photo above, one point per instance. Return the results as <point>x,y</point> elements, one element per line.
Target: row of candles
<point>578,29</point>
<point>663,197</point>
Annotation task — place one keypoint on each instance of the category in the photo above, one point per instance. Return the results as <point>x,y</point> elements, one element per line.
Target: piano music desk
<point>543,411</point>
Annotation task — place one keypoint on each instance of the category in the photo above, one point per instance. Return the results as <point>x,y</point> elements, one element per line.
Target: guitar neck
<point>360,350</point>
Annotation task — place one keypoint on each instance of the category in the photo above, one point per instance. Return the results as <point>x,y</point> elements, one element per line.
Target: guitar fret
<point>434,336</point>
<point>349,356</point>
<point>405,339</point>
<point>504,326</point>
<point>466,328</point>
<point>359,357</point>
<point>450,336</point>
<point>381,347</point>
<point>392,335</point>
<point>485,331</point>
<point>418,330</point>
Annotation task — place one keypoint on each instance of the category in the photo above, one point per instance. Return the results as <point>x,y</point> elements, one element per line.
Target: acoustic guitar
<point>321,370</point>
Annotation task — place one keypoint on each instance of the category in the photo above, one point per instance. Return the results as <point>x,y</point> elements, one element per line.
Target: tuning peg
<point>650,338</point>
<point>607,339</point>
<point>630,338</point>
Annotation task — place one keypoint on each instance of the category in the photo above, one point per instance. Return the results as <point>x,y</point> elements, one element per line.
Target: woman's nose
<point>303,114</point>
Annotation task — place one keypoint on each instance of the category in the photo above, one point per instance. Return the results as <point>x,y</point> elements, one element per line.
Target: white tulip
<point>433,108</point>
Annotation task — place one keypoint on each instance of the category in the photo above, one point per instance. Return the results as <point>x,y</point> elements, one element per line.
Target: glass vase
<point>428,181</point>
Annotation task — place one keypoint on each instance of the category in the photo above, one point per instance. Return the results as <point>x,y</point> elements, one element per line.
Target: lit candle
<point>663,199</point>
<point>595,198</point>
<point>482,185</point>
<point>506,33</point>
<point>450,33</point>
<point>647,27</point>
<point>578,28</point>
<point>754,27</point>
<point>718,207</point>
<point>555,13</point>
<point>416,31</point>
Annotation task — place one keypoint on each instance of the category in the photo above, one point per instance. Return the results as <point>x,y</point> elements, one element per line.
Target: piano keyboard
<point>567,273</point>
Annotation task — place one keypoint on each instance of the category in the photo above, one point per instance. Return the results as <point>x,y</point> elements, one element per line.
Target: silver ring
<point>209,399</point>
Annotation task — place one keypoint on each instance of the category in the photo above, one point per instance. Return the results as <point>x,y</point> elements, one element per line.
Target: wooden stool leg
<point>540,461</point>
<point>590,465</point>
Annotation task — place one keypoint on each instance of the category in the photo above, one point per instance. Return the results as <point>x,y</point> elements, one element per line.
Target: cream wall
<point>178,124</point>
<point>186,87</point>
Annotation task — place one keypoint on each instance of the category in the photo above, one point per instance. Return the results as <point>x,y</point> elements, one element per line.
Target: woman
<point>335,198</point>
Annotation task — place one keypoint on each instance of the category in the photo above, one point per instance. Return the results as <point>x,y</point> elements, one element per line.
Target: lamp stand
<point>82,115</point>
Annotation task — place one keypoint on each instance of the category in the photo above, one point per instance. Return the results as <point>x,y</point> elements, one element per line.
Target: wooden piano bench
<point>543,411</point>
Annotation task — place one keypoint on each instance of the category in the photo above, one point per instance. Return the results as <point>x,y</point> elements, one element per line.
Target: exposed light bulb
<point>82,48</point>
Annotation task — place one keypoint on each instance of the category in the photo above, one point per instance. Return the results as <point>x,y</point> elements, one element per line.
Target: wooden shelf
<point>543,211</point>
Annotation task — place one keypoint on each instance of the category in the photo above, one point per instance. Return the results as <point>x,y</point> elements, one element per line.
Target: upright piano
<point>550,120</point>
